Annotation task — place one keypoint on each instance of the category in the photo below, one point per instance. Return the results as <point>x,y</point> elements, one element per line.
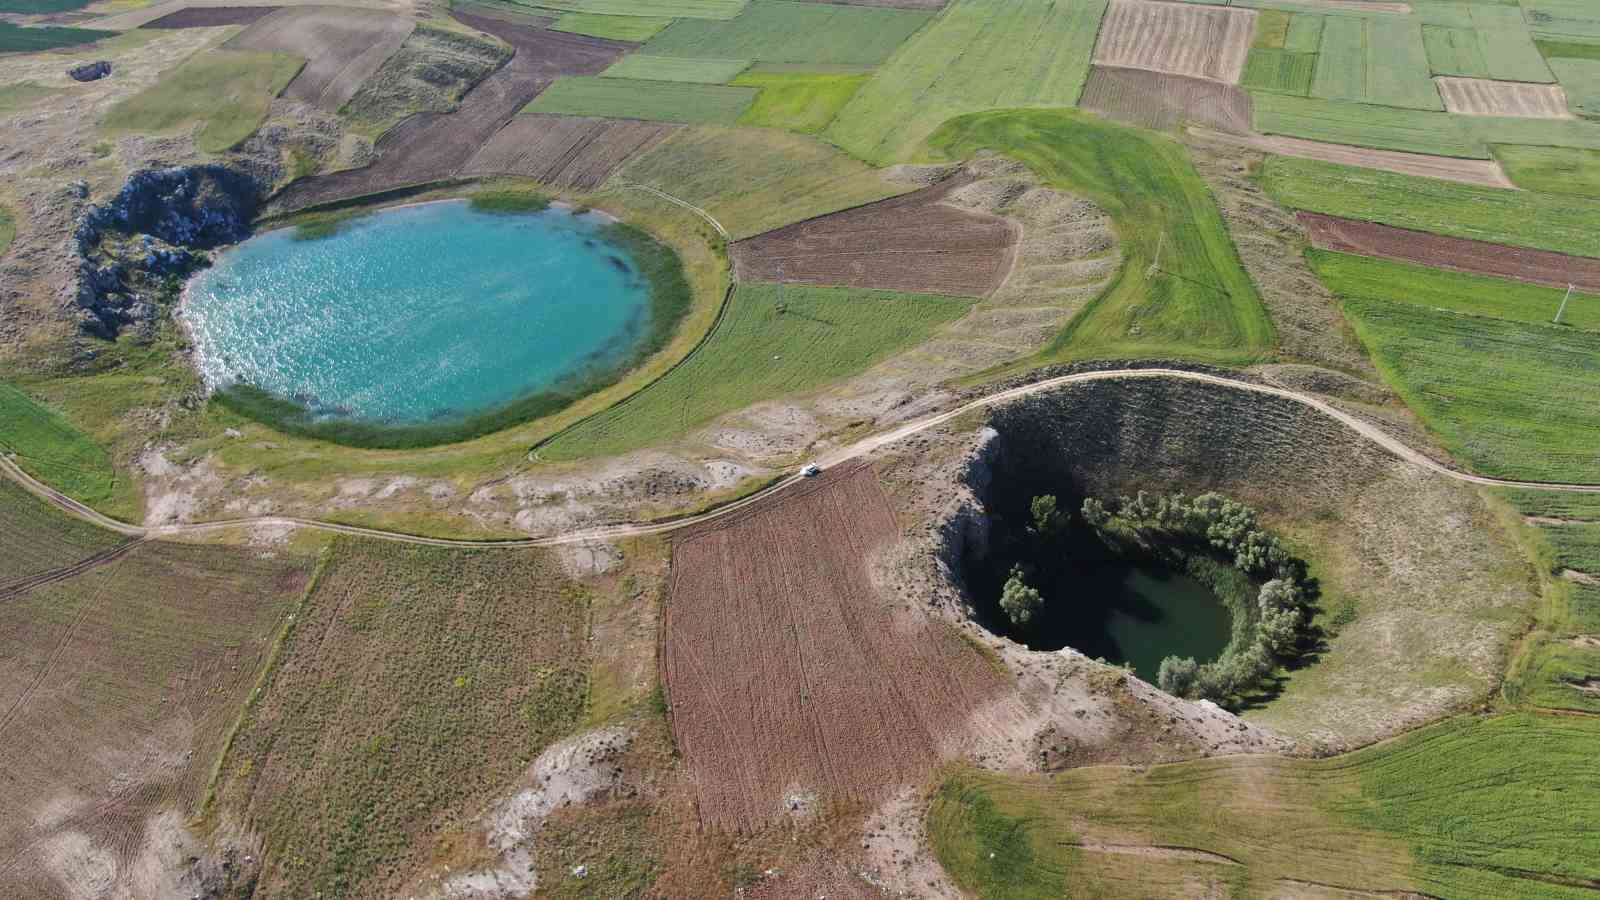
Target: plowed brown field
<point>1462,255</point>
<point>432,147</point>
<point>211,16</point>
<point>1484,97</point>
<point>342,47</point>
<point>786,671</point>
<point>565,151</point>
<point>1159,100</point>
<point>912,242</point>
<point>1486,172</point>
<point>116,690</point>
<point>1203,41</point>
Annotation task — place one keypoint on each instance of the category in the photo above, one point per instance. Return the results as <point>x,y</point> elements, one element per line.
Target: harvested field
<point>1202,41</point>
<point>1458,254</point>
<point>211,16</point>
<point>1483,97</point>
<point>1162,101</point>
<point>786,672</point>
<point>432,147</point>
<point>35,539</point>
<point>404,664</point>
<point>342,47</point>
<point>565,151</point>
<point>116,690</point>
<point>913,242</point>
<point>1482,172</point>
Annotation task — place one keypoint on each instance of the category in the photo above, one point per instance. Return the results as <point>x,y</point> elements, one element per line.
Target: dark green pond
<point>1134,613</point>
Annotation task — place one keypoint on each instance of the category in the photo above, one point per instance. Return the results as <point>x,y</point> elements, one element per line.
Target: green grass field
<point>1564,224</point>
<point>1569,18</point>
<point>1305,33</point>
<point>226,92</point>
<point>18,39</point>
<point>50,449</point>
<point>1557,669</point>
<point>8,229</point>
<point>1413,130</point>
<point>1508,50</point>
<point>1576,546</point>
<point>1553,48</point>
<point>1279,71</point>
<point>1342,61</point>
<point>661,101</point>
<point>977,55</point>
<point>1508,399</point>
<point>1581,80</point>
<point>1552,170</point>
<point>1272,29</point>
<point>759,353</point>
<point>756,180</point>
<point>1397,67</point>
<point>796,32</point>
<point>668,68</point>
<point>617,28</point>
<point>1558,505</point>
<point>1348,275</point>
<point>798,101</point>
<point>653,9</point>
<point>1201,304</point>
<point>1472,808</point>
<point>1454,51</point>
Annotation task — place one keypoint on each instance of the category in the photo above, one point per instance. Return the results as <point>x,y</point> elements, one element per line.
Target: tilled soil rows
<point>1483,97</point>
<point>212,16</point>
<point>1160,100</point>
<point>1462,255</point>
<point>791,682</point>
<point>566,151</point>
<point>913,242</point>
<point>432,147</point>
<point>342,48</point>
<point>1486,172</point>
<point>1203,41</point>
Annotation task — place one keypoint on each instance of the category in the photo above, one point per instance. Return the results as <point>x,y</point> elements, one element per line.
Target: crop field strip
<point>404,664</point>
<point>976,55</point>
<point>576,152</point>
<point>1413,130</point>
<point>48,447</point>
<point>342,47</point>
<point>432,147</point>
<point>1161,101</point>
<point>138,666</point>
<point>637,29</point>
<point>19,39</point>
<point>795,32</point>
<point>211,16</point>
<point>1480,97</point>
<point>1540,267</point>
<point>761,351</point>
<point>912,242</point>
<point>798,101</point>
<point>1561,224</point>
<point>35,538</point>
<point>1471,808</point>
<point>754,181</point>
<point>1481,172</point>
<point>787,672</point>
<point>660,101</point>
<point>1552,170</point>
<point>668,68</point>
<point>665,9</point>
<point>1199,41</point>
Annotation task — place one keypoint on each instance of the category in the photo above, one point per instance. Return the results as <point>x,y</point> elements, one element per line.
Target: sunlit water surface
<point>417,314</point>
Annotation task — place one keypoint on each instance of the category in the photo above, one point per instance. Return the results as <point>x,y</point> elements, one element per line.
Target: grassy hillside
<point>225,92</point>
<point>47,447</point>
<point>759,352</point>
<point>1472,808</point>
<point>1199,302</point>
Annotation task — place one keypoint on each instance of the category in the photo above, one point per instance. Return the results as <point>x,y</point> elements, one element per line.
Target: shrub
<point>1019,600</point>
<point>1177,676</point>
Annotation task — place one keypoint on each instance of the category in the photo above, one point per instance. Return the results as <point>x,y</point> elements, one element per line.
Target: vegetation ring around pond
<point>1189,592</point>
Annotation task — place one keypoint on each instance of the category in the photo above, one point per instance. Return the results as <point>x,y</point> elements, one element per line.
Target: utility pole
<point>1564,303</point>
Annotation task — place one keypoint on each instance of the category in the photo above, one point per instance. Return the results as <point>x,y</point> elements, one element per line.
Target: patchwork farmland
<point>714,498</point>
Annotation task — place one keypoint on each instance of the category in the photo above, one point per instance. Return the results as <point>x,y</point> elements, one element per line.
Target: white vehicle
<point>811,470</point>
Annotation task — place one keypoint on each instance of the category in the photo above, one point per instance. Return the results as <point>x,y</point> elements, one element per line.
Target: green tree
<point>1050,524</point>
<point>1019,600</point>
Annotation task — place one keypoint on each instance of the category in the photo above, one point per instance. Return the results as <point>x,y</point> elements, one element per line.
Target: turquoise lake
<point>419,314</point>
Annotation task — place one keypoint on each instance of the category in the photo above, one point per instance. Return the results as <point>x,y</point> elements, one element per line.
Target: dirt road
<point>861,448</point>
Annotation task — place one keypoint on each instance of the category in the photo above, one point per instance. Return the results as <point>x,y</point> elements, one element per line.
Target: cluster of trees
<point>1048,525</point>
<point>1228,527</point>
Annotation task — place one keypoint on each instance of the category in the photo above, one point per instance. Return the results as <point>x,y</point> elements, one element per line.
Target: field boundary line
<point>861,448</point>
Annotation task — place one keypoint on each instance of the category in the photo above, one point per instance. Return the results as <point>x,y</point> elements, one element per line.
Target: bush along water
<point>1216,541</point>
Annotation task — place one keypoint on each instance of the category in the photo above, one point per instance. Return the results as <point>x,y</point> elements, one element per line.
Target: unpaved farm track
<point>861,448</point>
<point>435,146</point>
<point>1543,267</point>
